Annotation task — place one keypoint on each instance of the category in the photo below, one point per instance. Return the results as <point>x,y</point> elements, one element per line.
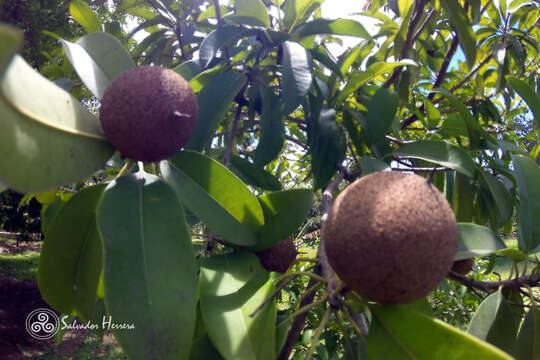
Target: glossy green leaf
<point>254,9</point>
<point>222,186</point>
<point>380,115</point>
<point>253,175</point>
<point>458,18</point>
<point>371,165</point>
<point>399,332</point>
<point>528,94</point>
<point>495,322</point>
<point>298,11</point>
<point>232,287</point>
<point>217,39</point>
<point>476,240</point>
<point>334,27</point>
<point>98,59</point>
<point>71,258</point>
<point>328,148</point>
<point>297,76</point>
<point>528,340</point>
<point>150,272</point>
<point>442,153</point>
<point>215,99</point>
<point>221,211</point>
<point>272,129</point>
<point>10,39</point>
<point>202,348</point>
<point>48,137</point>
<point>284,212</point>
<point>503,199</point>
<point>527,174</point>
<point>462,198</point>
<point>188,69</point>
<point>360,78</point>
<point>84,15</point>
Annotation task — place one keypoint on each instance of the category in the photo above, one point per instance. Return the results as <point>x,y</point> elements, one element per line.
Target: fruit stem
<point>359,331</point>
<point>318,332</point>
<point>124,169</point>
<point>303,310</point>
<point>296,273</point>
<point>307,292</point>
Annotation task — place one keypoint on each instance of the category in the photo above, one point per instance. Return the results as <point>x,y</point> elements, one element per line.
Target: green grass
<point>20,266</point>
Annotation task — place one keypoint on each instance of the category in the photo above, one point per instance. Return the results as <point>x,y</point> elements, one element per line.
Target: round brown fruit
<point>148,113</point>
<point>279,257</point>
<point>463,267</point>
<point>391,237</point>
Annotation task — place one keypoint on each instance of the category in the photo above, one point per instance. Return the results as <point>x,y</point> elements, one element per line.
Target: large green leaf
<point>463,197</point>
<point>217,39</point>
<point>528,94</point>
<point>253,175</point>
<point>458,18</point>
<point>188,69</point>
<point>272,129</point>
<point>380,115</point>
<point>232,286</point>
<point>84,15</point>
<point>334,27</point>
<point>150,272</point>
<point>476,240</point>
<point>503,199</point>
<point>527,173</point>
<point>202,348</point>
<point>298,11</point>
<point>494,322</point>
<point>215,195</point>
<point>528,340</point>
<point>328,148</point>
<point>214,101</point>
<point>48,137</point>
<point>98,59</point>
<point>442,153</point>
<point>399,332</point>
<point>297,76</point>
<point>358,79</point>
<point>71,258</point>
<point>253,9</point>
<point>10,39</point>
<point>284,212</point>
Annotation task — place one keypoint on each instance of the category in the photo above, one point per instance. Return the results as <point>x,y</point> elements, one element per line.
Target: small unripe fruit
<point>279,257</point>
<point>148,113</point>
<point>391,237</point>
<point>463,267</point>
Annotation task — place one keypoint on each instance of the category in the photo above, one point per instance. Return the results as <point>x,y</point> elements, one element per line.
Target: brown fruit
<point>279,257</point>
<point>148,113</point>
<point>391,237</point>
<point>463,267</point>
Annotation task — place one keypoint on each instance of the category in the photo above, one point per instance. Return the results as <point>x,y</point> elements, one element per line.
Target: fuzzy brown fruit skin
<point>148,113</point>
<point>391,237</point>
<point>463,267</point>
<point>279,257</point>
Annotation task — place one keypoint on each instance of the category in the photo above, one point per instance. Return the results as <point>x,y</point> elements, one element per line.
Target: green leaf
<point>214,101</point>
<point>381,112</point>
<point>98,59</point>
<point>503,199</point>
<point>298,11</point>
<point>346,27</point>
<point>272,129</point>
<point>188,69</point>
<point>476,240</point>
<point>494,322</point>
<point>254,175</point>
<point>232,287</point>
<point>217,39</point>
<point>528,94</point>
<point>215,196</point>
<point>202,348</point>
<point>463,197</point>
<point>440,152</point>
<point>370,165</point>
<point>84,15</point>
<point>358,79</point>
<point>328,148</point>
<point>297,76</point>
<point>527,173</point>
<point>10,39</point>
<point>399,332</point>
<point>253,9</point>
<point>458,18</point>
<point>528,340</point>
<point>71,258</point>
<point>284,212</point>
<point>150,272</point>
<point>48,137</point>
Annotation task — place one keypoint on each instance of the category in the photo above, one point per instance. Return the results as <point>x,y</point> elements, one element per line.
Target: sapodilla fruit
<point>463,267</point>
<point>148,113</point>
<point>391,237</point>
<point>279,257</point>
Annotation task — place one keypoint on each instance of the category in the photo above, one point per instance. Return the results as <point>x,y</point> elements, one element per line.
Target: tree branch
<point>516,284</point>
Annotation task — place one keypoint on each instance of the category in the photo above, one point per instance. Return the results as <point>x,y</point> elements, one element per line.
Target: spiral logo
<point>42,324</point>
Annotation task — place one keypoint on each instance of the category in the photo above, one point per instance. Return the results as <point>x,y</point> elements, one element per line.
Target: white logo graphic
<point>42,324</point>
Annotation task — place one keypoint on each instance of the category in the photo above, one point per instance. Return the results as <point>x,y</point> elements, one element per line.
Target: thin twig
<point>271,296</point>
